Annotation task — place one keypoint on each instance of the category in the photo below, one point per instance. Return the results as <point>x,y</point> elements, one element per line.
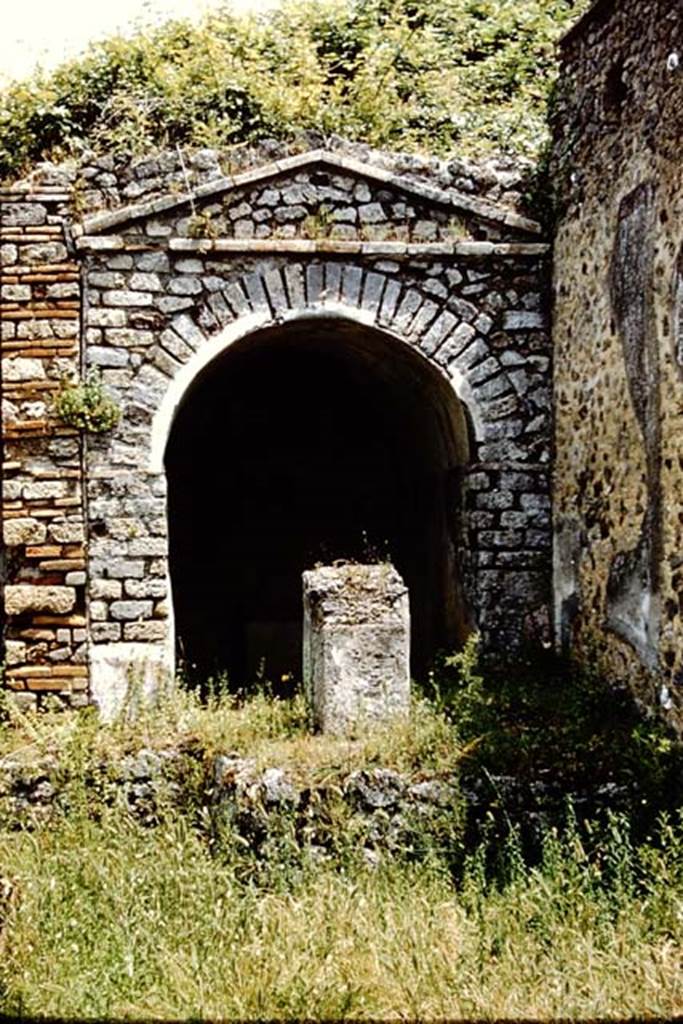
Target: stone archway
<point>422,341</point>
<point>447,297</point>
<point>315,440</point>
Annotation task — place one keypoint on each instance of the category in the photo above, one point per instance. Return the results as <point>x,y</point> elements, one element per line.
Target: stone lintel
<point>323,246</point>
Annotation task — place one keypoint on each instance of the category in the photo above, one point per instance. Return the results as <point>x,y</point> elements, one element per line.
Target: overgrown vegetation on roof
<point>430,75</point>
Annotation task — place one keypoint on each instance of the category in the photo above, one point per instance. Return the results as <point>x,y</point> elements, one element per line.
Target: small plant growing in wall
<point>200,225</point>
<point>83,404</point>
<point>318,224</point>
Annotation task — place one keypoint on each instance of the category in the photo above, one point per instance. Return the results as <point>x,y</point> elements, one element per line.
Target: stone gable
<point>311,196</point>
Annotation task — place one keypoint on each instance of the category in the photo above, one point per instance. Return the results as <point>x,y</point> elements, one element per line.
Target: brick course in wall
<point>44,557</point>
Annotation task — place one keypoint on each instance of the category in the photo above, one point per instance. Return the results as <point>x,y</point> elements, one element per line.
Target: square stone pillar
<point>356,649</point>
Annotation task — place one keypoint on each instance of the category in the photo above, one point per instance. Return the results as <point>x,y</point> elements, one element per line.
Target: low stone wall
<point>383,811</point>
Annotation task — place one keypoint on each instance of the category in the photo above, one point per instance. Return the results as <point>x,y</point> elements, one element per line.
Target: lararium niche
<point>309,442</point>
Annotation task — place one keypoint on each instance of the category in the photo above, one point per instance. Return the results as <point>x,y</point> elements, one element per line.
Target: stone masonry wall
<point>110,181</point>
<point>43,578</point>
<point>170,282</point>
<point>618,348</point>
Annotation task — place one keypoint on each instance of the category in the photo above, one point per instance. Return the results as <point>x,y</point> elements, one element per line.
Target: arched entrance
<point>307,442</point>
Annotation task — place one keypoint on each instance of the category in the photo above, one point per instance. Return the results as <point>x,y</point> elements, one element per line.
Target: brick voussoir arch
<point>263,298</point>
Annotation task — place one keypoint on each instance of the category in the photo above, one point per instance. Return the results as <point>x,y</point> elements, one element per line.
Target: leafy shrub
<point>84,405</point>
<point>434,75</point>
<point>539,718</point>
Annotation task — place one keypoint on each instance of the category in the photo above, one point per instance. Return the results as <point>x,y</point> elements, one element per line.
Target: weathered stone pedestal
<point>356,656</point>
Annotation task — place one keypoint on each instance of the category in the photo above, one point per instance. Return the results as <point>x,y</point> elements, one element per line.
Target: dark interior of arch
<point>307,443</point>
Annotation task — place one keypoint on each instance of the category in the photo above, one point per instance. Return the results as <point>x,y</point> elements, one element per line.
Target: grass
<point>112,920</point>
<point>102,915</point>
<point>267,730</point>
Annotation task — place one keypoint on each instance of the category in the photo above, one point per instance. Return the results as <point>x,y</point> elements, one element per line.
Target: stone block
<point>371,213</point>
<point>23,215</point>
<point>106,317</point>
<point>44,490</point>
<point>15,292</point>
<point>145,282</point>
<point>152,546</point>
<point>8,255</point>
<point>356,645</point>
<point>189,266</point>
<point>15,652</point>
<point>26,597</point>
<point>158,229</point>
<point>146,588</point>
<point>19,369</point>
<point>11,490</point>
<point>122,261</point>
<point>127,298</point>
<point>173,303</point>
<point>24,701</point>
<point>127,675</point>
<point>128,337</point>
<point>75,579</point>
<point>23,531</point>
<point>106,279</point>
<point>523,320</point>
<point>130,610</point>
<point>107,357</point>
<point>121,568</point>
<point>67,532</point>
<point>150,631</point>
<point>105,632</point>
<point>98,611</point>
<point>185,285</point>
<point>108,589</point>
<point>43,252</point>
<point>152,261</point>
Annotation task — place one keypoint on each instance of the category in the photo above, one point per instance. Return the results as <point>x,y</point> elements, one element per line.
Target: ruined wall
<point>618,340</point>
<point>204,259</point>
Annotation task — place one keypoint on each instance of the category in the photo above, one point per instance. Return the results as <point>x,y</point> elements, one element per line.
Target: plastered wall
<point>618,331</point>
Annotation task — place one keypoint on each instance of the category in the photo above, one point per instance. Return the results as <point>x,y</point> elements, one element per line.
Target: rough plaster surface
<point>126,676</point>
<point>618,475</point>
<point>356,645</point>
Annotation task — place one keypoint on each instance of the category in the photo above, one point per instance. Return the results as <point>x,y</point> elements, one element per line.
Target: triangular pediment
<point>317,194</point>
